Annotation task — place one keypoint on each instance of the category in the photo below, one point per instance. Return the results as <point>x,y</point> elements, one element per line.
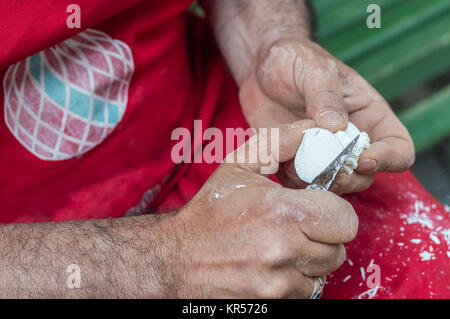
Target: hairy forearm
<point>117,257</point>
<point>244,26</point>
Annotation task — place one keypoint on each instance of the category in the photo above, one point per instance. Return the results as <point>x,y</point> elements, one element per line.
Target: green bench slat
<point>350,12</point>
<point>425,69</point>
<point>321,6</point>
<point>429,122</point>
<point>405,17</point>
<point>410,61</point>
<point>412,47</point>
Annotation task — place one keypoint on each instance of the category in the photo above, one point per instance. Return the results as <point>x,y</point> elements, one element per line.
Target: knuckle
<point>342,184</point>
<point>366,182</point>
<point>284,211</point>
<point>330,259</point>
<point>278,287</point>
<point>349,221</point>
<point>337,213</point>
<point>330,94</point>
<point>276,254</point>
<point>357,183</point>
<point>339,257</point>
<point>405,156</point>
<point>329,64</point>
<point>353,224</point>
<point>278,58</point>
<point>314,208</point>
<point>325,100</point>
<point>324,67</point>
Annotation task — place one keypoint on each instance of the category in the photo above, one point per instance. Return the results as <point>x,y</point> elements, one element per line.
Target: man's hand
<point>242,235</point>
<point>245,236</point>
<point>117,258</point>
<point>293,79</point>
<point>284,77</point>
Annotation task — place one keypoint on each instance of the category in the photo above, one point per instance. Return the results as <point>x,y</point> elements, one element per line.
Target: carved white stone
<point>320,147</point>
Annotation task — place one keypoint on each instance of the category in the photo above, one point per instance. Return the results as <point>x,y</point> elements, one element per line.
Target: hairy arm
<point>117,258</point>
<point>209,249</point>
<point>242,27</point>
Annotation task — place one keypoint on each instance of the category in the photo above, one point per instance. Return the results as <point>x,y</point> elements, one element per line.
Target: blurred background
<point>408,61</point>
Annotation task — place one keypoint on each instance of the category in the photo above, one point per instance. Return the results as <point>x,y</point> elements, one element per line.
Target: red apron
<point>144,69</point>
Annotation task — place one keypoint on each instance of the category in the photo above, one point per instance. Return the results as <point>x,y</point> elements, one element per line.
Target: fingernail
<point>369,166</point>
<point>330,118</point>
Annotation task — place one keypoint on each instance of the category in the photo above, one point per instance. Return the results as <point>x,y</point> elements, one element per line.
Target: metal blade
<point>327,178</point>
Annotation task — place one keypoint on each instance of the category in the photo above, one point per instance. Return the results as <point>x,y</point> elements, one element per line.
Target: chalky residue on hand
<point>320,147</point>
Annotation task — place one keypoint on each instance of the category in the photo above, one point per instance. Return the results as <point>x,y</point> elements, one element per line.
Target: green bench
<point>411,48</point>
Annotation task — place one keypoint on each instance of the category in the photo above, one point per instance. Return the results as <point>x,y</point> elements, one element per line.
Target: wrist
<point>149,258</point>
<point>242,28</point>
<point>168,257</point>
<point>184,276</point>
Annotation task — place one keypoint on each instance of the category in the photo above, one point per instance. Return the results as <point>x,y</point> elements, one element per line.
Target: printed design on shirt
<point>65,100</point>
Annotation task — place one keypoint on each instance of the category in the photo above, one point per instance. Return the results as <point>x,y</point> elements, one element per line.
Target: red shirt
<point>87,121</point>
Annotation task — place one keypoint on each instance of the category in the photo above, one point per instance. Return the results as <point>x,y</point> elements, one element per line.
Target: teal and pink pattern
<point>65,100</point>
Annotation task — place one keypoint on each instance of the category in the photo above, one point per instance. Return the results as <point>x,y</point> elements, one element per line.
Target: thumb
<point>323,96</point>
<point>265,150</point>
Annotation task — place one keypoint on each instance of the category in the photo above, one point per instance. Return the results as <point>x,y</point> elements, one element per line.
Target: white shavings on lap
<point>426,256</point>
<point>409,194</point>
<point>369,293</point>
<point>363,273</point>
<point>434,238</point>
<point>346,278</point>
<point>350,262</point>
<point>446,234</point>
<point>417,217</point>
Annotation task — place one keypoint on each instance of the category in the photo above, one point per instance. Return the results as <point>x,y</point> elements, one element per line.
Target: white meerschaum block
<point>320,147</point>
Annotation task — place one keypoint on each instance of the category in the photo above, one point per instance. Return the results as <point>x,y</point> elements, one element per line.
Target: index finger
<point>392,149</point>
<point>320,215</point>
<point>265,150</point>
